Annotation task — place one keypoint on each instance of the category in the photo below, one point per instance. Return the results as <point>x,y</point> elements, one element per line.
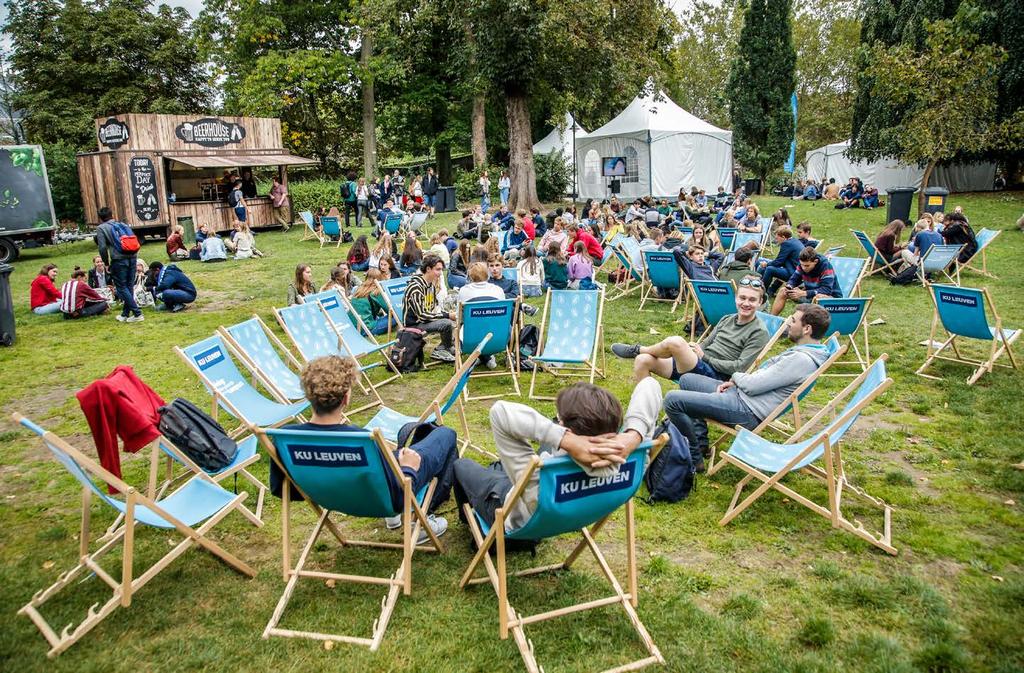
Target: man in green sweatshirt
<point>731,346</point>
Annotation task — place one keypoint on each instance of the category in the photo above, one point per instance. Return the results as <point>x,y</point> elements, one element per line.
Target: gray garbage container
<point>752,186</point>
<point>899,202</point>
<point>446,200</point>
<point>935,199</point>
<point>6,306</point>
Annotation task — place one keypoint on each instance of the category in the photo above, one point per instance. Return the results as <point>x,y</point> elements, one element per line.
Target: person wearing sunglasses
<point>730,347</point>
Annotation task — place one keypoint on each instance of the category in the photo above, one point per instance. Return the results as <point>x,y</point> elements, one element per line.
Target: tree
<point>761,82</point>
<point>74,61</point>
<point>947,93</point>
<point>10,118</point>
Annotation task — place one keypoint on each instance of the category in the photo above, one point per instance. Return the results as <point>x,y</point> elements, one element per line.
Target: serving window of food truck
<point>154,171</point>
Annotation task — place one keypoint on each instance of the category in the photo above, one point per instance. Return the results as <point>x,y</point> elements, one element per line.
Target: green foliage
<point>742,607</point>
<point>62,173</point>
<point>76,61</point>
<point>314,194</point>
<point>467,183</point>
<point>761,82</point>
<point>816,632</point>
<point>554,176</point>
<point>941,657</point>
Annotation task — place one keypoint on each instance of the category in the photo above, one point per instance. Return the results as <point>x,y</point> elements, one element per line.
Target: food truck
<point>155,170</point>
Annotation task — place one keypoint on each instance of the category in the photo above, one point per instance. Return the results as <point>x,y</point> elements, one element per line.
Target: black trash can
<point>6,306</point>
<point>752,186</point>
<point>899,202</point>
<point>935,199</point>
<point>446,200</point>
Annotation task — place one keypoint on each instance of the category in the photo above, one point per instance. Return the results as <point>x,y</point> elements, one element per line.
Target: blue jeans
<point>429,199</point>
<point>485,203</point>
<point>240,213</point>
<point>771,274</point>
<point>380,325</point>
<point>172,298</point>
<point>438,452</point>
<point>503,193</point>
<point>122,272</point>
<point>697,400</point>
<point>456,281</point>
<point>362,266</point>
<point>47,309</point>
<point>870,201</point>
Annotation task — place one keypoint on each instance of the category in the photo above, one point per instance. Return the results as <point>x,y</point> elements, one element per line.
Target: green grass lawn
<point>775,590</point>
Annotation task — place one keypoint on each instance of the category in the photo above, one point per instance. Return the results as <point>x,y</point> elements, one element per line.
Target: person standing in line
<point>348,197</point>
<point>485,192</point>
<point>121,261</point>
<point>362,202</point>
<point>504,187</point>
<point>430,190</point>
<point>279,200</point>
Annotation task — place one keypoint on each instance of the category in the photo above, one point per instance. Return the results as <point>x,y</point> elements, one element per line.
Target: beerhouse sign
<point>113,133</point>
<point>210,132</point>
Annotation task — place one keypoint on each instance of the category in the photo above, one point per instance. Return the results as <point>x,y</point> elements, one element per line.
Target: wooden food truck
<point>156,170</point>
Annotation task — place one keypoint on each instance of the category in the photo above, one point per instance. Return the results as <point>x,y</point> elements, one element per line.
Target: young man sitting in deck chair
<point>813,277</point>
<point>730,347</point>
<point>747,399</point>
<point>691,261</point>
<point>587,429</point>
<point>423,308</point>
<point>327,382</point>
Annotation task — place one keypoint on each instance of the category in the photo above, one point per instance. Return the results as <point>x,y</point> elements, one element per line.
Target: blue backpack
<point>671,476</point>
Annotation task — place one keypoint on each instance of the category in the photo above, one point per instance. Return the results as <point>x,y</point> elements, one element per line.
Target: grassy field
<point>776,590</point>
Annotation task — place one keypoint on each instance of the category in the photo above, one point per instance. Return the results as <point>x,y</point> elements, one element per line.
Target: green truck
<point>26,208</point>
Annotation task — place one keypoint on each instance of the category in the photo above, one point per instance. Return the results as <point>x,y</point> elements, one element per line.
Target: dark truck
<point>26,209</point>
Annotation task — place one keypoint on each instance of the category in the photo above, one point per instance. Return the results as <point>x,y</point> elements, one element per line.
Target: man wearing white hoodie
<point>747,399</point>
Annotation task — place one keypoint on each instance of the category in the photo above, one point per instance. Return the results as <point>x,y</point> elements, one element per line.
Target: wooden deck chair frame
<point>1001,343</point>
<point>984,261</point>
<point>634,276</point>
<point>876,263</point>
<point>833,474</point>
<point>258,374</point>
<point>417,222</point>
<point>309,230</point>
<point>648,291</point>
<point>365,330</point>
<point>511,351</point>
<point>325,238</point>
<point>589,370</point>
<point>860,358</point>
<point>772,420</point>
<point>509,619</point>
<point>123,537</point>
<point>399,582</point>
<point>955,278</point>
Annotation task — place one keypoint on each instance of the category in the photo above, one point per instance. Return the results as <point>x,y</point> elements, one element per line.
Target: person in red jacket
<point>578,233</point>
<point>78,300</point>
<point>44,297</point>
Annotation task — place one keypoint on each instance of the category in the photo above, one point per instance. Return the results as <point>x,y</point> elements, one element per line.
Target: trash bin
<point>752,186</point>
<point>935,199</point>
<point>6,306</point>
<point>189,225</point>
<point>898,203</point>
<point>446,200</point>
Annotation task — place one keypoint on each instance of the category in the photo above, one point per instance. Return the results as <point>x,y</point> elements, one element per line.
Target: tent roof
<point>657,116</point>
<point>560,137</point>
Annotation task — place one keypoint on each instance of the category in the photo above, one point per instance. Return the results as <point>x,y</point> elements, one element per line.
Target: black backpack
<point>407,351</point>
<point>346,190</point>
<point>908,276</point>
<point>671,476</point>
<point>200,437</point>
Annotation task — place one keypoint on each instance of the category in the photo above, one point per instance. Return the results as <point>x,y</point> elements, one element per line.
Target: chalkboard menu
<point>210,132</point>
<point>113,133</point>
<point>24,192</point>
<point>143,176</point>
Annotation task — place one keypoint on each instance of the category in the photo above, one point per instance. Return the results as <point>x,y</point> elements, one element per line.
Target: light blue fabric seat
<point>393,292</point>
<point>256,345</point>
<point>876,262</point>
<point>984,238</point>
<point>310,231</point>
<point>848,317</point>
<point>727,236</point>
<point>849,273</point>
<point>661,276</point>
<point>712,301</point>
<point>331,227</point>
<point>494,320</point>
<point>629,254</point>
<point>571,333</point>
<point>941,259</point>
<point>741,238</point>
<point>393,223</point>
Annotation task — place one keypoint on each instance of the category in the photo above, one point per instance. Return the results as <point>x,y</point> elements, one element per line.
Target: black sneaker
<point>626,351</point>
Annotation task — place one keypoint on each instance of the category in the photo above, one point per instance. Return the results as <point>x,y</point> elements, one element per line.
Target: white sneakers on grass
<point>438,524</point>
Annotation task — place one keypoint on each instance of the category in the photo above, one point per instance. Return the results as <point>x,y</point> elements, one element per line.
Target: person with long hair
<point>458,267</point>
<point>341,280</point>
<point>556,234</point>
<point>302,286</point>
<point>411,257</point>
<point>581,268</point>
<point>888,242</point>
<point>388,268</point>
<point>504,187</point>
<point>245,242</point>
<point>556,271</point>
<point>530,271</point>
<point>362,201</point>
<point>44,297</point>
<point>368,302</point>
<point>359,255</point>
<point>384,248</point>
<point>750,222</point>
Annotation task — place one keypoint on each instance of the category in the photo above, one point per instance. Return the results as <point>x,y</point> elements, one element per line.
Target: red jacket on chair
<point>120,405</point>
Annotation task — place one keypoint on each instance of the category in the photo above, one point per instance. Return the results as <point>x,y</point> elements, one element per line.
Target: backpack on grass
<point>672,475</point>
<point>198,436</point>
<point>407,352</point>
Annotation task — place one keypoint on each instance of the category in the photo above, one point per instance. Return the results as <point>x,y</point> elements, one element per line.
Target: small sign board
<point>210,132</point>
<point>25,201</point>
<point>144,198</point>
<point>113,133</point>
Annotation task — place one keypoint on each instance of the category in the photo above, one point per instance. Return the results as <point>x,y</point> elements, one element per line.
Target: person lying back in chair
<point>587,429</point>
<point>327,382</point>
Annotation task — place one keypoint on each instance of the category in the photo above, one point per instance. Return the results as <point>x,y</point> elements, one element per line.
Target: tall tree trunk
<point>520,147</point>
<point>443,161</point>
<point>479,132</point>
<point>369,121</point>
<point>924,185</point>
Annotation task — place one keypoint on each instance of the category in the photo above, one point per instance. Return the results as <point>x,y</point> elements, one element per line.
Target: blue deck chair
<point>712,301</point>
<point>355,335</point>
<point>940,259</point>
<point>393,292</point>
<point>776,326</point>
<point>212,362</point>
<point>498,318</point>
<point>568,501</point>
<point>609,249</point>
<point>345,472</point>
<point>726,236</point>
<point>416,222</point>
<point>685,231</point>
<point>849,316</point>
<point>832,251</point>
<point>393,223</point>
<point>876,262</point>
<point>741,238</point>
<point>661,273</point>
<point>389,421</point>
<point>191,511</point>
<point>310,231</point>
<point>331,227</point>
<point>631,257</point>
<point>849,274</point>
<point>770,462</point>
<point>961,312</point>
<point>261,351</point>
<point>984,237</point>
<point>571,336</point>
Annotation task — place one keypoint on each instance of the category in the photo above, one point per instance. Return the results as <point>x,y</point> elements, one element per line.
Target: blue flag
<point>790,164</point>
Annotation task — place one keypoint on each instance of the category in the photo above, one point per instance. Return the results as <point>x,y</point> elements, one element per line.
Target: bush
<point>62,173</point>
<point>467,185</point>
<point>554,176</point>
<point>313,194</point>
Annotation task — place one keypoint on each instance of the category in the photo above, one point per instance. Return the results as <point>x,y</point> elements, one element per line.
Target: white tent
<point>831,161</point>
<point>665,148</point>
<point>560,138</point>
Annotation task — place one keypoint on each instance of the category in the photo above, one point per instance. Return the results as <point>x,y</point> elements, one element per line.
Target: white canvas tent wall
<point>560,138</point>
<point>665,147</point>
<point>831,161</point>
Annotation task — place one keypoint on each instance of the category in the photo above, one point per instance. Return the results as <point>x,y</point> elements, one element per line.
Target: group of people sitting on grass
<point>590,426</point>
<point>931,229</point>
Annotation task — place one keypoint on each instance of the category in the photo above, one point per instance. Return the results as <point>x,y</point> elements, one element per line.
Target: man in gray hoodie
<point>747,399</point>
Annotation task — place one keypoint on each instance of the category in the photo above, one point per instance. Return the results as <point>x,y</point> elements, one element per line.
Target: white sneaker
<point>393,522</point>
<point>438,524</point>
<point>121,318</point>
<point>491,362</point>
<point>135,318</point>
